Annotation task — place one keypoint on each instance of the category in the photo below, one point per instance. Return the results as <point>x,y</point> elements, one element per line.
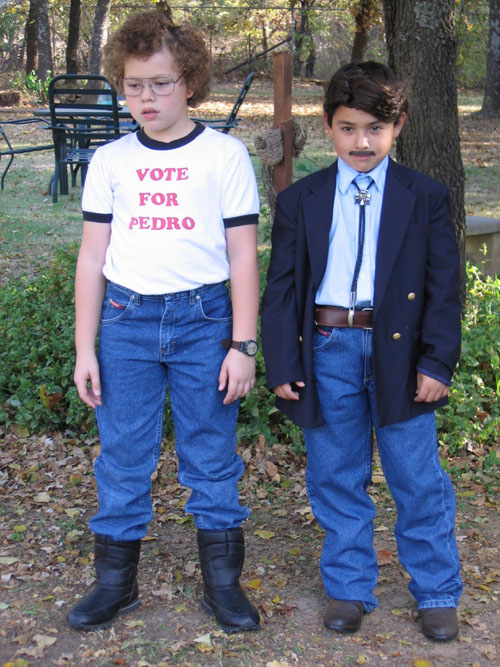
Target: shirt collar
<point>346,174</point>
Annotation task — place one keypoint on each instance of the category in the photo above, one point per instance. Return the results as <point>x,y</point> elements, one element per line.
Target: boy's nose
<point>147,91</point>
<point>362,140</point>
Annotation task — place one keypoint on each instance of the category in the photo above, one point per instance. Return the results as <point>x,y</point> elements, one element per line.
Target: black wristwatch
<point>248,347</point>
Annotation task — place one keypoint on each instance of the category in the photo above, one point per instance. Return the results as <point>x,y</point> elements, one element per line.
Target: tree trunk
<point>41,15</point>
<point>310,48</point>
<point>99,35</point>
<point>365,14</point>
<point>421,39</point>
<point>73,37</point>
<point>304,42</point>
<point>31,43</point>
<point>491,101</point>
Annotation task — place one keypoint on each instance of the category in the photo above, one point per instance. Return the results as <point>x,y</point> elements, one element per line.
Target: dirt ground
<point>47,495</point>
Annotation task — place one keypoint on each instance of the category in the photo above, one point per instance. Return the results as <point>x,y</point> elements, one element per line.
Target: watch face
<point>251,348</point>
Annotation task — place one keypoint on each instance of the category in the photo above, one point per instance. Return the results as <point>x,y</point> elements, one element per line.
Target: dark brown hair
<point>370,87</point>
<point>146,33</point>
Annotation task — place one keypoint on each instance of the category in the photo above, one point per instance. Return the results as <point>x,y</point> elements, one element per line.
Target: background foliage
<point>37,358</point>
<point>238,30</point>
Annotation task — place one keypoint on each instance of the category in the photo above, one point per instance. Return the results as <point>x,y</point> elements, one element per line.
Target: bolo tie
<point>362,198</point>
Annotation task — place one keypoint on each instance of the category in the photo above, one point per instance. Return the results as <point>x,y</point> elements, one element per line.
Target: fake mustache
<point>362,153</point>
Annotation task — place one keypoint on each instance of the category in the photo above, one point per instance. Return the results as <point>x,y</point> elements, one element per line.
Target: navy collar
<point>169,145</point>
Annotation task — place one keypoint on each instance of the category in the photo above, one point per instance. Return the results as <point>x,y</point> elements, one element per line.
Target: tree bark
<point>491,101</point>
<point>422,44</point>
<point>304,42</point>
<point>72,63</point>
<point>31,42</point>
<point>99,35</point>
<point>41,15</point>
<point>365,13</point>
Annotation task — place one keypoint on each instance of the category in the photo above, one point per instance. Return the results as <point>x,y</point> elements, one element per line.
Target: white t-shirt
<point>169,205</point>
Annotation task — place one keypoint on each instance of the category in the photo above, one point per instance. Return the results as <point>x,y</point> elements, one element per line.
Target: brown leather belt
<point>334,316</point>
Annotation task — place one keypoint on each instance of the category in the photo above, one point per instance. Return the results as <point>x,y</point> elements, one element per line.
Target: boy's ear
<point>328,127</point>
<point>399,125</point>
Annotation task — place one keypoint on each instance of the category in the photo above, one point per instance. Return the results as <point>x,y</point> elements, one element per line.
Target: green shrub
<point>32,85</point>
<point>472,419</point>
<point>37,358</point>
<point>258,414</point>
<point>37,352</point>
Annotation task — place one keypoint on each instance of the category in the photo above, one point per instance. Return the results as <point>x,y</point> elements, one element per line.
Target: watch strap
<point>240,345</point>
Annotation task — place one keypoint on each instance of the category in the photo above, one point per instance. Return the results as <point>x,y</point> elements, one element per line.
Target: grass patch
<point>31,226</point>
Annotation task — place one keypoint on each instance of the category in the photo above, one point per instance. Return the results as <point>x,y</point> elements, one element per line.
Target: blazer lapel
<point>317,211</point>
<point>397,208</point>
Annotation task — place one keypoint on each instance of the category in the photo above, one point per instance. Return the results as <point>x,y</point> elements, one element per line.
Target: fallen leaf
<point>42,497</point>
<point>178,645</point>
<point>378,479</point>
<point>204,639</point>
<point>384,557</point>
<point>264,534</point>
<point>164,591</point>
<point>73,536</point>
<point>42,641</point>
<point>399,611</point>
<point>489,651</point>
<point>271,469</point>
<point>304,510</point>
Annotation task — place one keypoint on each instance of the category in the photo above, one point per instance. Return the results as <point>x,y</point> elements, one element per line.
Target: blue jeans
<point>339,468</point>
<point>146,344</point>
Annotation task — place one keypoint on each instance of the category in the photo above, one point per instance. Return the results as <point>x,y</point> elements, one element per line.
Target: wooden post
<point>282,66</point>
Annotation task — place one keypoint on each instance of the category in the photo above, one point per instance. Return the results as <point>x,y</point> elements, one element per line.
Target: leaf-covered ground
<point>47,494</point>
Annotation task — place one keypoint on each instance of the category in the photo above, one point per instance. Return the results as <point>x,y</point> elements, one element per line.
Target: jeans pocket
<point>323,337</point>
<point>115,305</point>
<point>215,307</point>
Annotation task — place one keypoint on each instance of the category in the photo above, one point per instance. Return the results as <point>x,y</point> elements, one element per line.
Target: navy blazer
<point>416,309</point>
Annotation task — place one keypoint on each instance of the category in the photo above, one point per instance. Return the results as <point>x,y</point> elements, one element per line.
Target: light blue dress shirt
<point>343,239</point>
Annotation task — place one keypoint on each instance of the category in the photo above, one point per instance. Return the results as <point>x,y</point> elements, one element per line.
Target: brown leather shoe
<point>439,623</point>
<point>344,615</point>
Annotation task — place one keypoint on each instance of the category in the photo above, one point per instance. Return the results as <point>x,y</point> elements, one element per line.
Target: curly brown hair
<point>369,86</point>
<point>146,33</point>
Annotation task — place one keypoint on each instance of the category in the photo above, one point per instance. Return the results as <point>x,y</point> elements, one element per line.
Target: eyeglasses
<point>158,86</point>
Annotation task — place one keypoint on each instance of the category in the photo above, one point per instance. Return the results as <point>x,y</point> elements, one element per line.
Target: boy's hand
<point>429,389</point>
<point>237,374</point>
<point>87,370</point>
<point>286,391</point>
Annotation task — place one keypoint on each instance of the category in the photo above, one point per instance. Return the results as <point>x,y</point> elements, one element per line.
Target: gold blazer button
<point>396,336</point>
<point>411,296</point>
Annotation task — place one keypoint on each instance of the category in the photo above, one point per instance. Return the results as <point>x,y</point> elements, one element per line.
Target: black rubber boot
<point>222,553</point>
<point>115,592</point>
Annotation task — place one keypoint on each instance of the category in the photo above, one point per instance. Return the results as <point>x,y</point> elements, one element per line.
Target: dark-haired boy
<point>361,332</point>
